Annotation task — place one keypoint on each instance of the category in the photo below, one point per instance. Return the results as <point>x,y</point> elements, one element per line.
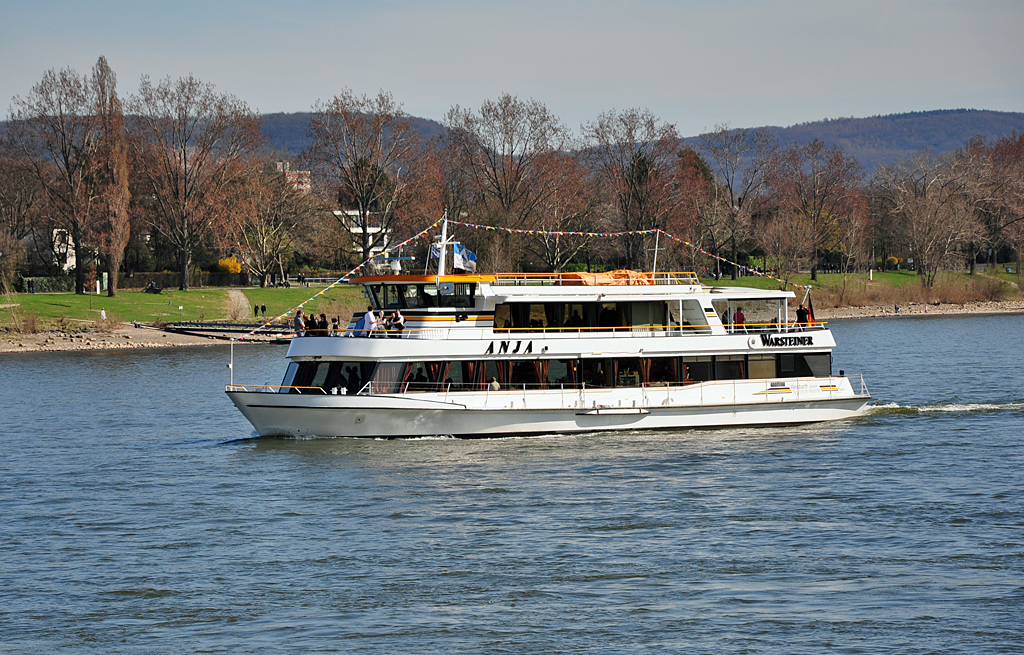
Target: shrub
<point>229,265</point>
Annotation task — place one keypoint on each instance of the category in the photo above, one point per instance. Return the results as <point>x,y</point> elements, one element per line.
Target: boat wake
<point>947,408</point>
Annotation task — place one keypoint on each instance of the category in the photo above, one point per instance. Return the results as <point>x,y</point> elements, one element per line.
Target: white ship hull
<point>491,414</point>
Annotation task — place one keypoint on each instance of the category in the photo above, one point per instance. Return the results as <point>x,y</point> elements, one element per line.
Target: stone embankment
<point>915,309</point>
<point>123,338</point>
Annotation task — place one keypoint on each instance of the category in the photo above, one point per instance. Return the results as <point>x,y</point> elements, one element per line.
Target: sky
<point>692,63</point>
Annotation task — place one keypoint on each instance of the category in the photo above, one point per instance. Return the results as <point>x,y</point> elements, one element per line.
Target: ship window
<point>372,293</point>
<point>561,372</point>
<point>662,371</point>
<point>502,317</point>
<point>463,296</point>
<point>388,377</point>
<point>576,316</point>
<point>289,376</point>
<point>793,365</point>
<point>729,367</point>
<point>689,316</point>
<point>598,372</point>
<point>697,369</point>
<point>820,365</point>
<point>612,315</point>
<point>761,366</point>
<point>628,372</point>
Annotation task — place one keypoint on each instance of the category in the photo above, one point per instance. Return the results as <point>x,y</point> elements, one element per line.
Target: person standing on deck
<point>368,321</point>
<point>300,324</point>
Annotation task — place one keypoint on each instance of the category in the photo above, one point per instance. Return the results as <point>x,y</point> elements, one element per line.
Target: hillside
<point>873,141</point>
<point>885,139</point>
<point>288,131</point>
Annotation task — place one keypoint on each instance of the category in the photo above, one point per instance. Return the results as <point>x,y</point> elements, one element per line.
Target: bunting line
<point>509,230</point>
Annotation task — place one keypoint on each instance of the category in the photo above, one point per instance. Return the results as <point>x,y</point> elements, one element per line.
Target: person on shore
<point>263,310</point>
<point>368,322</point>
<point>300,324</point>
<point>255,311</point>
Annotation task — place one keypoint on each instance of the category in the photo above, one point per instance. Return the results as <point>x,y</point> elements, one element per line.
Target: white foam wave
<point>971,407</point>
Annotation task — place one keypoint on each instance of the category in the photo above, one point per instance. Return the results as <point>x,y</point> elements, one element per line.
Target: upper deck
<point>610,278</point>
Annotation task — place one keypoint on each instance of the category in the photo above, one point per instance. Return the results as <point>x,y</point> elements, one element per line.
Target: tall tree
<point>363,149</point>
<point>503,148</point>
<point>109,171</point>
<point>932,202</point>
<point>191,145</point>
<point>819,184</point>
<point>56,131</point>
<point>20,198</point>
<point>266,216</point>
<point>738,157</point>
<point>634,155</point>
<point>571,206</point>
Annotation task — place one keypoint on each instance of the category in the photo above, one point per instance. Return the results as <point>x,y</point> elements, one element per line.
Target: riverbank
<point>917,309</point>
<point>129,337</point>
<point>126,337</point>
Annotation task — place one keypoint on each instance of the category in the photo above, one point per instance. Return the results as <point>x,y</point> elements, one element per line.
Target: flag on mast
<point>465,259</point>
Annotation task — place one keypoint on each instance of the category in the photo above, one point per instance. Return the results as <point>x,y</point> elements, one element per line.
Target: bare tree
<point>1002,186</point>
<point>20,200</point>
<point>191,145</point>
<point>634,155</point>
<point>56,131</point>
<point>571,206</point>
<point>738,157</point>
<point>363,149</point>
<point>785,239</point>
<point>503,149</point>
<point>819,184</point>
<point>932,204</point>
<point>266,216</point>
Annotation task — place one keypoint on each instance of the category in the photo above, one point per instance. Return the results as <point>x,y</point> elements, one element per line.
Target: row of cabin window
<point>415,296</point>
<point>604,372</point>
<point>686,314</point>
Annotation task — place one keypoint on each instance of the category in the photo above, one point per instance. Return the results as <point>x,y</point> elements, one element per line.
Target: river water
<point>137,516</point>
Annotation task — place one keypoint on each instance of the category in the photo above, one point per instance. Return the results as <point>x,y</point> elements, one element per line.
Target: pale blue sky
<point>692,63</point>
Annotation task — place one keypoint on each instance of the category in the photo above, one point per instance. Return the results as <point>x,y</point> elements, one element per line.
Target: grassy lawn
<point>339,301</point>
<point>75,310</point>
<point>207,304</point>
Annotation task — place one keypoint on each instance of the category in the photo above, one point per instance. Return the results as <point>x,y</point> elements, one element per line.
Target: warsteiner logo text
<point>770,340</point>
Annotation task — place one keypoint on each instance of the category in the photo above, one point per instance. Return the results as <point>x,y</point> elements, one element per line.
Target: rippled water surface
<point>137,516</point>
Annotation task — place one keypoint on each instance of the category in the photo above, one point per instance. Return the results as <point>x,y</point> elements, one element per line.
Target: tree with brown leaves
<point>192,146</point>
<point>363,150</point>
<point>738,158</point>
<point>819,184</point>
<point>503,148</point>
<point>109,172</point>
<point>56,132</point>
<point>634,155</point>
<point>932,202</point>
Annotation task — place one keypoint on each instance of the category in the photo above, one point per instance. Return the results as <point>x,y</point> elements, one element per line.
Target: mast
<point>444,243</point>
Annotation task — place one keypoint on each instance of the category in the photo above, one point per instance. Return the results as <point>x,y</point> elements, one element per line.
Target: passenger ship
<point>519,354</point>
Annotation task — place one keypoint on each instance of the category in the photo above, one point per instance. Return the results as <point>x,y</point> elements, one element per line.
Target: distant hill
<point>288,131</point>
<point>886,139</point>
<point>873,141</point>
